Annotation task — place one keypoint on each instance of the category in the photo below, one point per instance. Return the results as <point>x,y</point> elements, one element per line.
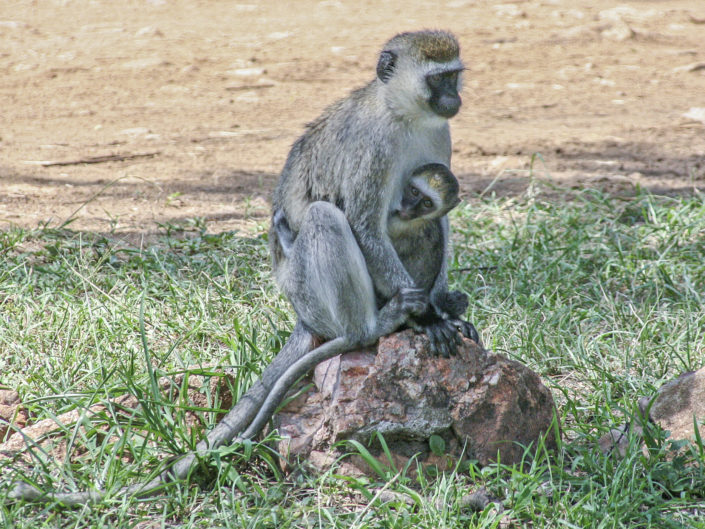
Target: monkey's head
<point>431,192</point>
<point>421,74</point>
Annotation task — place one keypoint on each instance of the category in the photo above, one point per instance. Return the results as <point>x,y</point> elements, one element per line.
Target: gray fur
<point>420,237</point>
<point>329,286</point>
<point>355,156</point>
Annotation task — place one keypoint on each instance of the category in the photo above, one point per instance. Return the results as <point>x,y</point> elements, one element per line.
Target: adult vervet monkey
<point>356,156</point>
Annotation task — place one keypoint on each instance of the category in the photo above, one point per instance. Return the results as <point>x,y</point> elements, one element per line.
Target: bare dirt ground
<point>208,95</point>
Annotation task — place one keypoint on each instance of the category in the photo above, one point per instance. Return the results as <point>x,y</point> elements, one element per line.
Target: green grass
<point>602,295</point>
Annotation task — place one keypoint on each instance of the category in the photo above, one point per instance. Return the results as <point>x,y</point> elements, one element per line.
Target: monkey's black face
<point>445,100</point>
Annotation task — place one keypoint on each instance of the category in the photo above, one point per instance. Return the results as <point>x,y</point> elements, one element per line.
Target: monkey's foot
<point>455,303</point>
<point>444,337</point>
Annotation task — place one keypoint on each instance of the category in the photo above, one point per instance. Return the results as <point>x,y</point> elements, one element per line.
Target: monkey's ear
<point>385,65</point>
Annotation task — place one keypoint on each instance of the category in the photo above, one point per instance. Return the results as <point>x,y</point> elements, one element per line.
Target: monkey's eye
<point>414,191</point>
<point>434,79</point>
<point>453,78</point>
<point>428,203</point>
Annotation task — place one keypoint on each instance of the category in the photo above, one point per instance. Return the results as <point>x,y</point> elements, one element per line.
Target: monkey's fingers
<point>438,346</point>
<point>453,335</point>
<point>444,338</point>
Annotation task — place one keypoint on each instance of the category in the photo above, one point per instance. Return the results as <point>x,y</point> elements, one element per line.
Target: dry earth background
<point>214,92</point>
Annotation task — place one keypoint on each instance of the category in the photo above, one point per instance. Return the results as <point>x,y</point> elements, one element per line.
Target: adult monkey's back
<point>354,156</point>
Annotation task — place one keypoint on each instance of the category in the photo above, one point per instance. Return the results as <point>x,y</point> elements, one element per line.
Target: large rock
<point>479,402</point>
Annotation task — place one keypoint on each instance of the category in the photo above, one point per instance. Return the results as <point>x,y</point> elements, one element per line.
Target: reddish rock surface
<point>477,401</point>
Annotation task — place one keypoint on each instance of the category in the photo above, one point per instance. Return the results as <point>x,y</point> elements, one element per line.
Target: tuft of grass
<point>600,294</point>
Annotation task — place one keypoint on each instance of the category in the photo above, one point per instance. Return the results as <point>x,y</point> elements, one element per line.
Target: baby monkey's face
<point>432,192</point>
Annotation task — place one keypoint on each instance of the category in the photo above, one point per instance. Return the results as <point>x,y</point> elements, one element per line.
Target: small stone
<point>678,404</point>
<point>677,407</point>
<point>12,24</point>
<point>476,501</point>
<point>696,114</point>
<point>279,35</point>
<point>149,31</point>
<point>12,414</point>
<point>139,64</point>
<point>135,131</point>
<point>617,439</point>
<point>246,72</point>
<point>508,10</point>
<point>692,67</point>
<point>618,31</point>
<point>387,496</point>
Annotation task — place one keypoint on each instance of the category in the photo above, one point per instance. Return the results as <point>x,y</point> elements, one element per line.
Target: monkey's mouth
<point>402,214</point>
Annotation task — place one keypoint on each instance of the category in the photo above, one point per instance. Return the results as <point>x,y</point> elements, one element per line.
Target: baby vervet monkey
<point>418,229</point>
<point>432,191</point>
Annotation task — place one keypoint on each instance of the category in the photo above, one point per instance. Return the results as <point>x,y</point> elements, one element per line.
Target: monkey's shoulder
<point>368,115</point>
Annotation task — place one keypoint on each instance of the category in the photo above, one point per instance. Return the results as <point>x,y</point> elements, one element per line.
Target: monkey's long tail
<point>232,423</point>
<point>236,420</point>
<point>297,369</point>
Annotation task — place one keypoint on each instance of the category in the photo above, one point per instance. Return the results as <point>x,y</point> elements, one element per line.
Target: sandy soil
<point>205,97</point>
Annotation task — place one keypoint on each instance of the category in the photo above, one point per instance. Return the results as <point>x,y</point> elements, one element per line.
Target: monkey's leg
<point>326,277</point>
<point>454,303</point>
<point>326,280</point>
